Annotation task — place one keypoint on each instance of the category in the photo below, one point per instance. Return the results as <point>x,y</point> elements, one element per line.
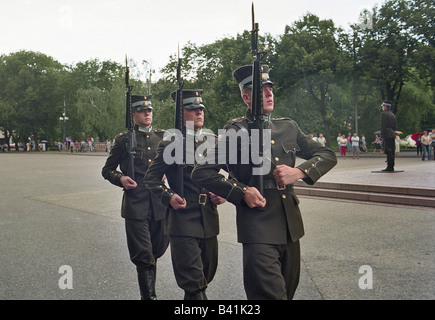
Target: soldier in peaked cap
<point>193,223</point>
<point>388,134</point>
<point>143,212</point>
<point>270,225</point>
<point>243,76</point>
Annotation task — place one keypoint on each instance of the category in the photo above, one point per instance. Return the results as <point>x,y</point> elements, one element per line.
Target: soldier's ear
<point>246,98</point>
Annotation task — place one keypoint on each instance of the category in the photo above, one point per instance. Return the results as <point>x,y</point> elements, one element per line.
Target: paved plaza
<point>56,210</point>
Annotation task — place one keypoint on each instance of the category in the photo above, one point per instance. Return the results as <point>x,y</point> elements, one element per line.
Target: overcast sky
<point>78,30</point>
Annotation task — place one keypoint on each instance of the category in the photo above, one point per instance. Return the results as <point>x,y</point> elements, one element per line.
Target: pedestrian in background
<point>377,144</point>
<point>343,145</point>
<point>321,139</point>
<point>355,146</point>
<point>426,143</point>
<point>432,135</point>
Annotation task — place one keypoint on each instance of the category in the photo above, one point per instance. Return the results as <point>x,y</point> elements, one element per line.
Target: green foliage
<point>29,91</point>
<point>321,73</point>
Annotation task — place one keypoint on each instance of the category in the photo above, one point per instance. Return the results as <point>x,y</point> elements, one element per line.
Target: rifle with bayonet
<point>257,97</point>
<point>129,123</point>
<point>179,125</point>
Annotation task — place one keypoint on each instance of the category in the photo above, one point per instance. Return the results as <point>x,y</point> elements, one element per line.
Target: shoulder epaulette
<point>121,134</point>
<point>168,135</point>
<point>235,120</point>
<point>280,119</point>
<point>159,131</point>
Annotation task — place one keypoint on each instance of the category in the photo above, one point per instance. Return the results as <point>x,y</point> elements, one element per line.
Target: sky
<point>73,31</point>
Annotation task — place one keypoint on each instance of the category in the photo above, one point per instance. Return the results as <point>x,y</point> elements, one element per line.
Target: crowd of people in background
<point>85,145</point>
<point>352,144</point>
<point>347,145</point>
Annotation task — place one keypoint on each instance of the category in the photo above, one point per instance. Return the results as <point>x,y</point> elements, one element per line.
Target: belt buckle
<point>202,199</point>
<point>280,187</point>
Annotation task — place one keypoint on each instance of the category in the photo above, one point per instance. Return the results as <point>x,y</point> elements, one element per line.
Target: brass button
<point>318,159</point>
<point>244,188</point>
<point>312,165</point>
<point>284,196</point>
<point>235,184</point>
<point>306,171</point>
<point>149,148</point>
<point>196,141</point>
<point>276,159</point>
<point>272,141</point>
<point>149,160</point>
<point>148,136</point>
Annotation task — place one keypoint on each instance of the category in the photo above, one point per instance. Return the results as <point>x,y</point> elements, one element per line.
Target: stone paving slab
<point>56,209</point>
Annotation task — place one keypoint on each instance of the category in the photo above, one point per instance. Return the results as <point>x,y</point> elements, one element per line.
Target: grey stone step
<point>368,193</point>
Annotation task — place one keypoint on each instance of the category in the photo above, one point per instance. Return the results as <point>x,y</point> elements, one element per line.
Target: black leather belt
<point>201,199</point>
<point>272,184</point>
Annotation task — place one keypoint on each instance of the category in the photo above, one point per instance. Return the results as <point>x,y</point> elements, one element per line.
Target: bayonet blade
<point>253,16</point>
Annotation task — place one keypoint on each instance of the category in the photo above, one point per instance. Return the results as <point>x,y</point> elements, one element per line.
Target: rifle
<point>129,123</point>
<point>179,124</point>
<point>257,97</point>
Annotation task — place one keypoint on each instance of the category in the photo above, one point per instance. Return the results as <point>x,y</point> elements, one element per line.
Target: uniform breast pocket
<point>289,150</point>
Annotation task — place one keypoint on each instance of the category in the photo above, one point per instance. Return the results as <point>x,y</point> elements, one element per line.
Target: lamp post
<point>148,72</point>
<point>64,119</point>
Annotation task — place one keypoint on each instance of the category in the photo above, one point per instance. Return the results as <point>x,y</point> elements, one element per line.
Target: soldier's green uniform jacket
<point>280,221</point>
<point>135,202</point>
<point>200,218</point>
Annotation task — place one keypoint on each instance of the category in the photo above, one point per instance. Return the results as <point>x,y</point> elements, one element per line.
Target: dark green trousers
<point>194,261</point>
<point>271,272</point>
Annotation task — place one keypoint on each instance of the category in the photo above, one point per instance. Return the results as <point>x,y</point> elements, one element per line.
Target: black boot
<point>200,295</point>
<point>147,282</point>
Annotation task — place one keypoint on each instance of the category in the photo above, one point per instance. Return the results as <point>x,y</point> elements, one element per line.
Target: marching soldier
<point>144,214</point>
<point>388,134</point>
<point>193,223</point>
<point>270,225</point>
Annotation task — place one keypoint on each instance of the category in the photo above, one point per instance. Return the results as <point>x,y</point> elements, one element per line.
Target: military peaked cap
<point>139,103</point>
<point>243,76</point>
<point>191,98</point>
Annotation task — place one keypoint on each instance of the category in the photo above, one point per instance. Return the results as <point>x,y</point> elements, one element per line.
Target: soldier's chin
<point>267,109</point>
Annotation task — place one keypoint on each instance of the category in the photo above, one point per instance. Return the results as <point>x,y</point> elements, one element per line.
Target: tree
<point>387,49</point>
<point>421,22</point>
<point>209,67</point>
<point>29,90</point>
<point>310,57</point>
<point>95,99</point>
